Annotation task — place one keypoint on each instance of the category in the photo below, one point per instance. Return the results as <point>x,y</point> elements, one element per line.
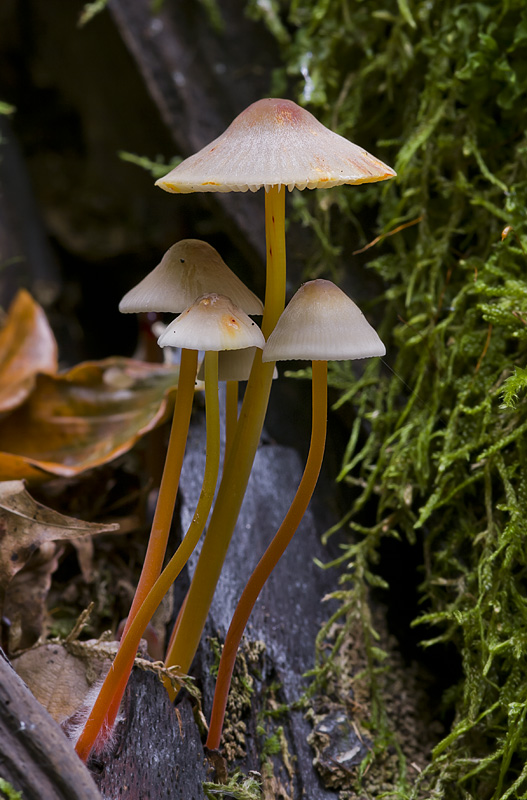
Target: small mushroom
<point>188,269</point>
<point>320,323</point>
<point>274,143</point>
<point>211,323</point>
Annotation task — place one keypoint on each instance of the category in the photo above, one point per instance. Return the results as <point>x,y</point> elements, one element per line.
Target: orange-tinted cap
<point>275,142</point>
<point>213,322</point>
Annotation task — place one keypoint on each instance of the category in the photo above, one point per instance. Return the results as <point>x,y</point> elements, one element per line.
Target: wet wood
<point>35,756</point>
<point>157,753</point>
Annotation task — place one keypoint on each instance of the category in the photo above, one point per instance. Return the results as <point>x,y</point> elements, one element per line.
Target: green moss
<point>437,450</point>
<point>91,10</point>
<point>157,168</point>
<point>7,791</point>
<point>239,786</point>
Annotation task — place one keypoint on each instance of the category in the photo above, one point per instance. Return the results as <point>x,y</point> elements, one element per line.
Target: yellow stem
<point>238,467</point>
<point>112,690</point>
<point>231,414</point>
<point>273,553</point>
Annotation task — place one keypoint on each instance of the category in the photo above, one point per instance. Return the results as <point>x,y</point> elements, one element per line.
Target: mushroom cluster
<point>273,144</point>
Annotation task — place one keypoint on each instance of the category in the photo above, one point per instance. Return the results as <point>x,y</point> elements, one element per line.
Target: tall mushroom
<point>320,323</point>
<point>274,143</point>
<point>213,323</point>
<point>187,270</point>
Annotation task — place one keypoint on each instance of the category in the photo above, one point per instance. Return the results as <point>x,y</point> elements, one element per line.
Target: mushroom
<point>320,323</point>
<point>188,269</point>
<point>212,323</point>
<point>172,285</point>
<point>274,143</point>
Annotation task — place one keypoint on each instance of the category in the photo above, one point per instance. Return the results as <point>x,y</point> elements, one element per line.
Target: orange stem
<point>273,553</point>
<point>106,708</point>
<point>166,499</point>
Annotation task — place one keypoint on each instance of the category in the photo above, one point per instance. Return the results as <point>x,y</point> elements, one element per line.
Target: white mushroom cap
<point>234,365</point>
<point>213,322</point>
<point>188,269</point>
<point>275,142</point>
<point>321,323</point>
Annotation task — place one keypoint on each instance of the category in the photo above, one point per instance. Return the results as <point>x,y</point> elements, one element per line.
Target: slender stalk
<point>102,714</point>
<point>166,499</point>
<point>231,414</point>
<point>273,553</point>
<point>243,450</point>
<point>176,625</point>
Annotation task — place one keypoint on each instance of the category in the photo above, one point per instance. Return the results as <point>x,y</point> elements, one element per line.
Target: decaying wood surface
<point>36,758</point>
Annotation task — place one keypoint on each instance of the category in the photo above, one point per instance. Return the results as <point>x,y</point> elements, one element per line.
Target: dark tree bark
<point>36,758</point>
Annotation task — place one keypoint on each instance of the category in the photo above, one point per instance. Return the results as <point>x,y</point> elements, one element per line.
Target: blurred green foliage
<point>437,455</point>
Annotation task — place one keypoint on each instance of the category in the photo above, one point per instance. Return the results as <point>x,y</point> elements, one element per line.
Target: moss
<point>239,702</point>
<point>437,446</point>
<point>7,791</point>
<point>238,786</point>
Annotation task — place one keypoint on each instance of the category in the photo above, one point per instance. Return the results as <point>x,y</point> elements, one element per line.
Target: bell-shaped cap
<point>321,323</point>
<point>212,322</point>
<point>188,269</point>
<point>272,143</point>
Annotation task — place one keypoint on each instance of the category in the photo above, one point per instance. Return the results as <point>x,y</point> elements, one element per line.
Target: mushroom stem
<point>273,553</point>
<point>276,258</point>
<point>104,710</point>
<point>166,499</point>
<point>231,414</point>
<point>243,450</point>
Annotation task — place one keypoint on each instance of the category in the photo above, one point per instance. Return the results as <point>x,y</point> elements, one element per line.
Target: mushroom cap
<point>187,270</point>
<point>321,323</point>
<point>272,143</point>
<point>212,322</point>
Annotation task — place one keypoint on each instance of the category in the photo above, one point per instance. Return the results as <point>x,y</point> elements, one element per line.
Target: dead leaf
<point>84,417</point>
<point>58,679</point>
<point>84,549</point>
<point>26,524</point>
<point>26,597</point>
<point>29,557</point>
<point>27,346</point>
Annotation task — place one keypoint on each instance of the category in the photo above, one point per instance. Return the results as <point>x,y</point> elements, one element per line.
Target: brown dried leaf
<point>27,346</point>
<point>26,596</point>
<point>84,417</point>
<point>84,549</point>
<point>26,524</point>
<point>57,678</point>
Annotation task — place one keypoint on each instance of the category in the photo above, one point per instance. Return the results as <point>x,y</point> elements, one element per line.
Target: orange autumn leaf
<point>27,347</point>
<point>84,417</point>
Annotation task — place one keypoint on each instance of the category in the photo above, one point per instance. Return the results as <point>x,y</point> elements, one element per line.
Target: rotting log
<point>36,758</point>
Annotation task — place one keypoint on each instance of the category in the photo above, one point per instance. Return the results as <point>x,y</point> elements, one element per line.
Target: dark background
<point>78,225</point>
